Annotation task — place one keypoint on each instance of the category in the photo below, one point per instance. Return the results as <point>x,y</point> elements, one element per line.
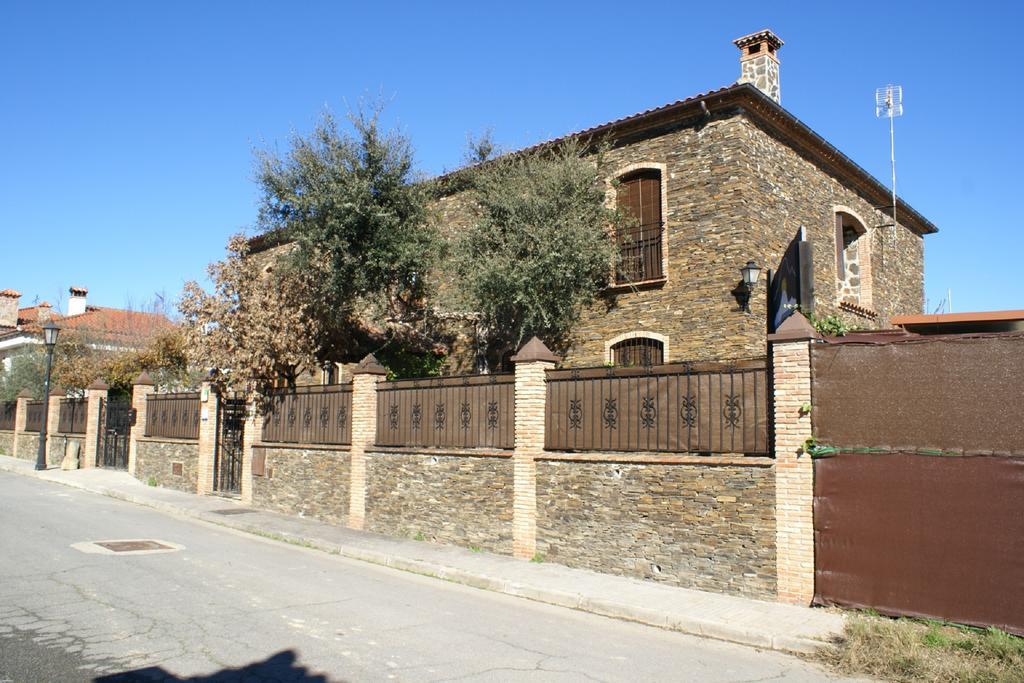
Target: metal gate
<point>230,432</point>
<point>116,421</point>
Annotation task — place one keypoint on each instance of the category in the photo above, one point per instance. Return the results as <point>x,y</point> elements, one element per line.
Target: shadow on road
<point>279,667</point>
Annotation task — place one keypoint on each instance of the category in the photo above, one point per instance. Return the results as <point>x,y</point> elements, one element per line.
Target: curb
<point>705,628</point>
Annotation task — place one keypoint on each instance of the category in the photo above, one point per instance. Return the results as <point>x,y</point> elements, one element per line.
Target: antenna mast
<point>889,103</point>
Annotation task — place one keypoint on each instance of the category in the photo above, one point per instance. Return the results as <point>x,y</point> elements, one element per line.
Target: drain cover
<point>132,546</point>
<point>127,546</point>
<point>233,511</point>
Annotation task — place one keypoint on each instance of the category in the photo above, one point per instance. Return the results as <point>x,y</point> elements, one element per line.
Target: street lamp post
<point>50,332</point>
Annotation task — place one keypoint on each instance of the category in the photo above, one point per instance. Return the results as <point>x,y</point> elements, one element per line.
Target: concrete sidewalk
<point>739,620</point>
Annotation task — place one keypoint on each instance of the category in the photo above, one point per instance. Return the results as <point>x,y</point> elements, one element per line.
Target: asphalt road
<point>227,606</point>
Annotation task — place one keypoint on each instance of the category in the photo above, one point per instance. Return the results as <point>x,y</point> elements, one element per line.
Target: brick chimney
<point>44,311</point>
<point>9,307</point>
<point>76,302</point>
<point>759,62</point>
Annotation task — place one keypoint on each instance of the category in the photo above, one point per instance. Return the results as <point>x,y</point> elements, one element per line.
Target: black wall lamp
<point>751,272</point>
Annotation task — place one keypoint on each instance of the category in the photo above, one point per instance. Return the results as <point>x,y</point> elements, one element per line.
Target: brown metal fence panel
<point>72,416</point>
<point>684,407</point>
<point>174,416</point>
<point>312,415</point>
<point>34,416</point>
<point>8,410</point>
<point>951,393</point>
<point>472,411</point>
<point>930,536</point>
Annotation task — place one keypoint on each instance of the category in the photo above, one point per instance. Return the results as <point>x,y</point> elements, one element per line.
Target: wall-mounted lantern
<point>751,272</point>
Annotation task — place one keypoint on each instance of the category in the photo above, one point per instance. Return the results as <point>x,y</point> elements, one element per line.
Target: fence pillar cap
<point>143,380</point>
<point>98,384</point>
<point>533,351</point>
<point>794,328</point>
<point>25,393</point>
<point>369,366</point>
<point>58,391</point>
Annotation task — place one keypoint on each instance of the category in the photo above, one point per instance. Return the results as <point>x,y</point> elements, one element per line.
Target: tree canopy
<point>539,249</point>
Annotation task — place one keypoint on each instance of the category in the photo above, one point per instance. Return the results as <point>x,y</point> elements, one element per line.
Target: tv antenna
<point>889,104</point>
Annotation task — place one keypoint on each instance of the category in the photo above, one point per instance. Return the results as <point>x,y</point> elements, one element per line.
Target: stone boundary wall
<point>58,444</point>
<point>306,480</point>
<point>447,497</point>
<point>28,445</point>
<point>704,526</point>
<point>6,442</point>
<point>155,459</point>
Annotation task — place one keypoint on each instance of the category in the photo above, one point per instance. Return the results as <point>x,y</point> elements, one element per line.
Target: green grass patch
<point>912,650</point>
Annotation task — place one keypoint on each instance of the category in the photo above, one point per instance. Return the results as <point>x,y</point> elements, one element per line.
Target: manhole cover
<point>127,546</point>
<point>132,546</point>
<point>233,511</point>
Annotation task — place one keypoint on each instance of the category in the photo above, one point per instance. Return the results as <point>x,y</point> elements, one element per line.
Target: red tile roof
<point>107,325</point>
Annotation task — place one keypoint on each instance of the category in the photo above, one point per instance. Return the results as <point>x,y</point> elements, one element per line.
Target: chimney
<point>9,307</point>
<point>76,302</point>
<point>759,62</point>
<point>44,311</point>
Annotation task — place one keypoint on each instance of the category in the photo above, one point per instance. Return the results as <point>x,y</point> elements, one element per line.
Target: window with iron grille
<point>638,351</point>
<point>640,238</point>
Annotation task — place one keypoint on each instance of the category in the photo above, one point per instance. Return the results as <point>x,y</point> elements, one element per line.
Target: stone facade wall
<point>28,445</point>
<point>457,499</point>
<point>6,442</point>
<point>58,445</point>
<point>154,460</point>
<point>786,191</point>
<point>304,481</point>
<point>696,526</point>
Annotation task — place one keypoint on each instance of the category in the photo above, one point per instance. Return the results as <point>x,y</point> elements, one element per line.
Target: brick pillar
<point>251,435</point>
<point>364,433</point>
<point>794,469</point>
<point>94,394</point>
<point>532,362</point>
<point>142,387</point>
<point>52,420</point>
<point>209,401</point>
<point>20,418</point>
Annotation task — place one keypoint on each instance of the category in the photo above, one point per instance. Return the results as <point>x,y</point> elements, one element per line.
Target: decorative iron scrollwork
<point>465,415</point>
<point>174,417</point>
<point>163,416</point>
<point>393,417</point>
<point>440,416</point>
<point>648,412</point>
<point>610,415</point>
<point>575,413</point>
<point>688,411</point>
<point>325,417</point>
<point>732,410</point>
<point>291,417</point>
<point>342,416</point>
<point>492,415</point>
<point>307,417</point>
<point>574,374</point>
<point>417,416</point>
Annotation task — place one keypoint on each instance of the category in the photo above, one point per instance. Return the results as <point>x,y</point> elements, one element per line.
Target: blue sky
<point>128,128</point>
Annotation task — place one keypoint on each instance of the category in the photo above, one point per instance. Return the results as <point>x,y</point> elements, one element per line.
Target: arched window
<point>638,351</point>
<point>639,238</point>
<point>851,256</point>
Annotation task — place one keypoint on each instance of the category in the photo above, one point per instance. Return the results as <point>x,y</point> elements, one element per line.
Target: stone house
<point>715,181</point>
<point>723,178</point>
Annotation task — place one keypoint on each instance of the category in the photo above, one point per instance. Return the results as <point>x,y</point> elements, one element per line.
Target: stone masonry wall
<point>306,482</point>
<point>6,442</point>
<point>785,191</point>
<point>696,526</point>
<point>154,459</point>
<point>462,500</point>
<point>58,445</point>
<point>28,445</point>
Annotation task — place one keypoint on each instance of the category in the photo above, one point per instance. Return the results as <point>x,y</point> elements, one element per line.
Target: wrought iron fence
<point>34,416</point>
<point>687,407</point>
<point>471,411</point>
<point>72,416</point>
<point>639,253</point>
<point>174,416</point>
<point>312,414</point>
<point>8,410</point>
